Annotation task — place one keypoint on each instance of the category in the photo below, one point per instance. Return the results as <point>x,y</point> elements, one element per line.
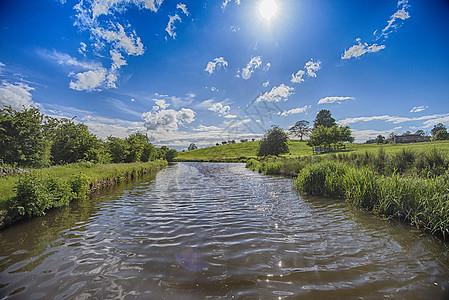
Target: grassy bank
<point>31,194</point>
<point>423,202</point>
<point>248,150</point>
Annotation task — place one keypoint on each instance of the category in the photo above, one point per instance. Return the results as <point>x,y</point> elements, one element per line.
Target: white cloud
<point>430,119</point>
<point>253,64</point>
<point>116,35</point>
<point>117,60</point>
<point>168,120</point>
<point>234,28</point>
<point>277,94</point>
<point>266,83</point>
<point>396,20</point>
<point>310,68</point>
<point>106,7</point>
<point>216,63</point>
<point>294,111</point>
<point>161,103</point>
<point>226,2</point>
<point>82,49</point>
<point>361,49</point>
<point>16,95</point>
<point>334,99</point>
<point>418,109</point>
<point>67,60</point>
<point>170,27</point>
<point>91,80</point>
<point>183,7</point>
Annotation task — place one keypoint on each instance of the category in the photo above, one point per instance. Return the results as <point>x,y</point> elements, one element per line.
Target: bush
<point>79,185</point>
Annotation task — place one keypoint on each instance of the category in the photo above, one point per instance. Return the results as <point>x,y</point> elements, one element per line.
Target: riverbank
<point>408,185</point>
<point>44,189</point>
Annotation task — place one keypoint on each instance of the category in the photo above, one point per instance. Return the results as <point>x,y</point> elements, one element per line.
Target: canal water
<point>218,231</point>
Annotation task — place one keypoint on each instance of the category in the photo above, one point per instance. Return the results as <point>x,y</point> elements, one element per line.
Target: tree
<point>441,135</point>
<point>324,118</point>
<point>438,127</point>
<point>380,139</point>
<point>117,148</point>
<point>300,129</point>
<point>326,136</point>
<point>73,142</point>
<point>274,142</point>
<point>23,137</point>
<point>192,146</point>
<point>171,154</point>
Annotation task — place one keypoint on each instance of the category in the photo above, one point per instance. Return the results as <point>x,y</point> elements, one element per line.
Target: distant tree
<point>420,132</point>
<point>274,142</point>
<point>300,129</point>
<point>324,118</point>
<point>117,148</point>
<point>408,132</point>
<point>438,127</point>
<point>326,136</point>
<point>441,135</point>
<point>253,140</point>
<point>224,143</point>
<point>171,154</point>
<point>217,144</point>
<point>380,139</point>
<point>192,146</point>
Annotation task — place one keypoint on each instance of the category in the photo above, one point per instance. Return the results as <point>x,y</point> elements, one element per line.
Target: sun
<point>268,9</point>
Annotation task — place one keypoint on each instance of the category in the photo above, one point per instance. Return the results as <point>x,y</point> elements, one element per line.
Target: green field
<point>243,151</point>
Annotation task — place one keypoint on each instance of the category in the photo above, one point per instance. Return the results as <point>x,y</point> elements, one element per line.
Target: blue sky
<point>209,71</point>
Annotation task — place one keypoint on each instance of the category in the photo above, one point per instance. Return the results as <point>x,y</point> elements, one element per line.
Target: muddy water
<point>218,231</point>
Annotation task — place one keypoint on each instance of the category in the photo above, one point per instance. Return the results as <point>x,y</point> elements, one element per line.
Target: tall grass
<point>424,202</point>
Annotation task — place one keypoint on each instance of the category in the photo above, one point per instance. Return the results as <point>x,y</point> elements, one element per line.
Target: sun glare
<point>268,9</point>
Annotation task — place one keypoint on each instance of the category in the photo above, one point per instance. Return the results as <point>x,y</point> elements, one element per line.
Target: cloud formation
<point>395,22</point>
<point>277,94</point>
<point>361,49</point>
<point>253,64</point>
<point>327,100</point>
<point>294,111</point>
<point>167,119</point>
<point>430,119</point>
<point>170,27</point>
<point>418,109</point>
<point>16,95</point>
<point>216,63</point>
<point>310,69</point>
<point>183,7</point>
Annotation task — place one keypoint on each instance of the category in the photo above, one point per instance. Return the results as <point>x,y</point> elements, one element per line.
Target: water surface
<point>218,231</point>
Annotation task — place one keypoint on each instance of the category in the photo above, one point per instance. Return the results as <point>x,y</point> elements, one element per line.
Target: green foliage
<point>79,185</point>
<point>72,143</point>
<point>23,139</point>
<point>327,136</point>
<point>275,142</point>
<point>380,139</point>
<point>171,154</point>
<point>300,129</point>
<point>422,202</point>
<point>438,127</point>
<point>134,148</point>
<point>324,118</point>
<point>117,148</point>
<point>441,135</point>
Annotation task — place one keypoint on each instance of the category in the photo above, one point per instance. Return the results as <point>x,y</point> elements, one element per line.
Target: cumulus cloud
<point>171,27</point>
<point>90,80</point>
<point>220,108</point>
<point>327,100</point>
<point>16,95</point>
<point>82,49</point>
<point>161,103</point>
<point>183,7</point>
<point>129,42</point>
<point>277,94</point>
<point>294,111</point>
<point>310,69</point>
<point>253,64</point>
<point>266,83</point>
<point>361,49</point>
<point>216,63</point>
<point>167,119</point>
<point>418,109</point>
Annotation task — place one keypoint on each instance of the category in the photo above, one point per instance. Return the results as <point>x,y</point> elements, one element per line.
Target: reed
<point>423,202</point>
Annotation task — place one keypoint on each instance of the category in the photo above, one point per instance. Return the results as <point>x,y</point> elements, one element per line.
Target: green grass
<point>423,202</point>
<point>94,172</point>
<point>244,151</point>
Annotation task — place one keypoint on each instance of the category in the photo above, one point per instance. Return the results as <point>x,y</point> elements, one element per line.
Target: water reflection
<point>219,231</point>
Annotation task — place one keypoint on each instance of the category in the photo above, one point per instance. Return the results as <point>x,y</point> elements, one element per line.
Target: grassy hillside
<point>243,151</point>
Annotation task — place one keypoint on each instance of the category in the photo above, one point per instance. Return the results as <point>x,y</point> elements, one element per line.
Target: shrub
<point>79,185</point>
<point>32,195</point>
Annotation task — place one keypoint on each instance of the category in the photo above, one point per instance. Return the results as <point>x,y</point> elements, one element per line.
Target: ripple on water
<point>218,231</point>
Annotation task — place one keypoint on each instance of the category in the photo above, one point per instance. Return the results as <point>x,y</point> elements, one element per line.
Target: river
<point>218,231</point>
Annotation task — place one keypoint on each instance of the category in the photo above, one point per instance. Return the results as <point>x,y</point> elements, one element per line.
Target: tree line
<point>28,138</point>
